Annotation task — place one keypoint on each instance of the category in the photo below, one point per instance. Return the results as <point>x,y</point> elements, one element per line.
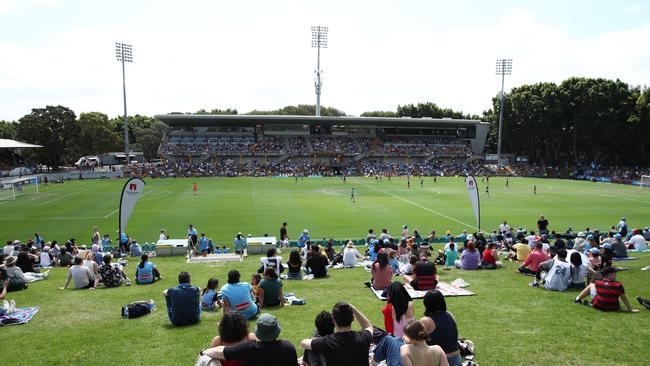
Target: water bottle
<point>126,312</point>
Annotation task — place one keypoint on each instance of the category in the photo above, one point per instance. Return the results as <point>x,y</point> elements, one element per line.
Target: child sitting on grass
<point>209,296</point>
<point>255,281</point>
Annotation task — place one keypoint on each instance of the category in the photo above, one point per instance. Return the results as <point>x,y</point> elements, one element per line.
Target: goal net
<point>645,181</point>
<point>15,187</point>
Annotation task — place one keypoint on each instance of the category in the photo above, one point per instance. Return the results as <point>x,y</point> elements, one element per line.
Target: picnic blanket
<point>20,316</point>
<point>624,258</point>
<point>444,287</point>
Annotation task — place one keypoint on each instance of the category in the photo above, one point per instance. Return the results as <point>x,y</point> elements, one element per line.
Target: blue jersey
<point>203,243</point>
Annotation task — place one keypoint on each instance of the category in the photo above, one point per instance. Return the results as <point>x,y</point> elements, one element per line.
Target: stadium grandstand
<point>320,145</point>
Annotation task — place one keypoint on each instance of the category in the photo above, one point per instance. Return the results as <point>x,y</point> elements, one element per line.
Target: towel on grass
<point>446,289</point>
<point>20,316</point>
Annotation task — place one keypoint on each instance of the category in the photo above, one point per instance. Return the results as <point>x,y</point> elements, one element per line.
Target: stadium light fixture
<point>504,67</point>
<point>124,53</point>
<point>318,40</point>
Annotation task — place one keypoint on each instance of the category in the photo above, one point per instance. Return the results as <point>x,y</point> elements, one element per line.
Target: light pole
<point>318,40</point>
<point>124,53</point>
<point>504,67</point>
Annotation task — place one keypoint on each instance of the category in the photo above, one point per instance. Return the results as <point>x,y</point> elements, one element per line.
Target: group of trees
<point>578,121</point>
<point>66,137</point>
<point>420,110</point>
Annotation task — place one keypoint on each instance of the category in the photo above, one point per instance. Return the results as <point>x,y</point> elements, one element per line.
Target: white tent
<point>13,144</point>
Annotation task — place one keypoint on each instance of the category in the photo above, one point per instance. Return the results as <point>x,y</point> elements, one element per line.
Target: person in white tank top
<point>416,352</point>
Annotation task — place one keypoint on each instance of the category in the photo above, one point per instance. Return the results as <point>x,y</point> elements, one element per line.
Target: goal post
<point>645,181</point>
<point>14,187</point>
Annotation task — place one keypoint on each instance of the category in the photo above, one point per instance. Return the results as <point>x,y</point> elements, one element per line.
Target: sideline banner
<point>472,190</point>
<point>130,194</point>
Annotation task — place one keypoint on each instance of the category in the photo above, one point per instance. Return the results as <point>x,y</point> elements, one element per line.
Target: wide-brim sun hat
<point>267,328</point>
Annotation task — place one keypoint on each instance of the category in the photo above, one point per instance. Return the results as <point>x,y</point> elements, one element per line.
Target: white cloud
<point>7,6</point>
<point>263,61</point>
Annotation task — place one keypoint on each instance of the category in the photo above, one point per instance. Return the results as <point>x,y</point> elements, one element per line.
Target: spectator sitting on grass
<point>344,347</point>
<point>270,290</point>
<point>490,256</point>
<point>399,309</point>
<point>605,292</point>
<point>233,329</point>
<point>82,276</point>
<point>519,252</point>
<point>65,258</point>
<point>531,264</point>
<point>316,263</point>
<point>266,350</point>
<point>271,260</point>
<point>324,327</point>
<point>237,296</point>
<point>183,302</point>
<point>14,275</point>
<point>469,258</point>
<point>382,272</point>
<point>136,249</point>
<point>209,296</point>
<point>425,275</point>
<point>146,272</point>
<point>350,255</point>
<point>112,275</point>
<point>295,264</point>
<point>407,267</point>
<point>440,325</point>
<point>416,352</point>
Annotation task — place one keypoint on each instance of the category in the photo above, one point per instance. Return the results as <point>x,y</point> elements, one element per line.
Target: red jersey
<point>488,257</point>
<point>607,294</point>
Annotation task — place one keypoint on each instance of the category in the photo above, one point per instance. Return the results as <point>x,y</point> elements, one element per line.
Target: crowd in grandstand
<point>319,144</point>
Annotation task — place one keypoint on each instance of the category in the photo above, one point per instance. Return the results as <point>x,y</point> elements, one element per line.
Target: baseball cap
<point>607,270</point>
<point>590,237</point>
<point>581,234</point>
<point>617,236</point>
<point>306,231</point>
<point>268,328</point>
<point>607,246</point>
<point>594,250</point>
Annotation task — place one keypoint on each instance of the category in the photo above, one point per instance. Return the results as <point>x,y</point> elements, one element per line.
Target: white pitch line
<point>111,213</point>
<point>422,207</point>
<point>61,196</point>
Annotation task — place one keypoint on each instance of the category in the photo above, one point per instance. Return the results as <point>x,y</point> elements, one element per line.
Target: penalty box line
<point>420,206</point>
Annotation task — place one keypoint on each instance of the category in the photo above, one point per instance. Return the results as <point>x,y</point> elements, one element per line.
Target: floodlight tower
<point>318,40</point>
<point>504,67</point>
<point>124,53</point>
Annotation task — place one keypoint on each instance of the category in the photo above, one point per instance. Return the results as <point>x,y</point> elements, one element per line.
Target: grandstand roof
<point>13,144</point>
<point>209,120</point>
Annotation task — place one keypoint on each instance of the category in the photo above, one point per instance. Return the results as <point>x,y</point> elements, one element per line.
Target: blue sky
<point>256,55</point>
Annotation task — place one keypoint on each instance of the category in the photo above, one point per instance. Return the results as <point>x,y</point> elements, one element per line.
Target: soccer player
<point>408,182</point>
<point>487,190</point>
<point>421,182</point>
<point>352,194</point>
<point>435,179</point>
<point>196,189</point>
<point>535,190</point>
<point>507,182</point>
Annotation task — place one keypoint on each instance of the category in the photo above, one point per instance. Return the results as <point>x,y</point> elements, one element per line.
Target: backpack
<point>135,310</point>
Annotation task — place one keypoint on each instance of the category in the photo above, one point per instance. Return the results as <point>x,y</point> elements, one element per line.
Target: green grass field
<point>510,322</point>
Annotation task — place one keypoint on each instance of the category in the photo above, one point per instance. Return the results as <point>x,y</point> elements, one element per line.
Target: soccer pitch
<point>510,322</point>
<point>225,206</point>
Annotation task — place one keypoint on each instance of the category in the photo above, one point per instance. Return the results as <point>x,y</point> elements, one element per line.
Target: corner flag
<point>472,190</point>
